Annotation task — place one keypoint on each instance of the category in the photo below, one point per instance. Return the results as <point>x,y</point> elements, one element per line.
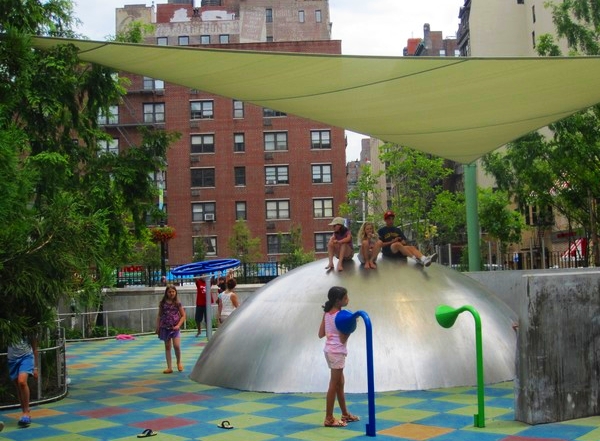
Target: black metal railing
<point>140,275</point>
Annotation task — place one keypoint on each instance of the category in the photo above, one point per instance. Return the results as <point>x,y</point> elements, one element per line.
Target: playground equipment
<point>345,321</point>
<point>206,269</point>
<point>446,316</point>
<point>270,342</point>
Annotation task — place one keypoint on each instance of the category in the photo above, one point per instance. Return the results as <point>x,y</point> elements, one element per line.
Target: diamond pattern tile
<point>118,390</point>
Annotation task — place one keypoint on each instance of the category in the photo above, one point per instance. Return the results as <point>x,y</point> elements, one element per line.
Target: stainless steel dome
<point>270,343</point>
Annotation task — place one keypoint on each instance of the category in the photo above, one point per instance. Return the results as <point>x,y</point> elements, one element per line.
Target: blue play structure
<point>206,269</point>
<point>345,321</point>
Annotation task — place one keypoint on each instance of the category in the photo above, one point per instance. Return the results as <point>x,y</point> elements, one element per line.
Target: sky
<point>366,27</point>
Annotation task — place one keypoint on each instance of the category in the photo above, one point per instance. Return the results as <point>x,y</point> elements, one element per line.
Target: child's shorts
<point>335,361</point>
<point>20,365</point>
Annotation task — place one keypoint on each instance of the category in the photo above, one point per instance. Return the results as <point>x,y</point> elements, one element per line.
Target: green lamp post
<point>446,316</point>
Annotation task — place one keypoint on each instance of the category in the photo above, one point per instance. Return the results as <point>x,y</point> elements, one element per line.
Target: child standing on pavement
<point>169,320</point>
<point>228,300</point>
<point>22,364</point>
<point>335,354</point>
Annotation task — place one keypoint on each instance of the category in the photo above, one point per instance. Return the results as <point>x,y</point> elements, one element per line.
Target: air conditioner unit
<point>209,217</point>
<point>268,156</point>
<point>270,225</point>
<point>267,122</point>
<point>271,181</point>
<point>195,192</point>
<point>194,124</point>
<point>269,190</point>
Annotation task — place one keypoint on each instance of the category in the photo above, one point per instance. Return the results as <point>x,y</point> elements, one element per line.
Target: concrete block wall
<point>558,348</point>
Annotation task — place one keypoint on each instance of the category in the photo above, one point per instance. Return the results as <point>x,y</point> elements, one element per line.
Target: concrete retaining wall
<point>144,300</point>
<point>558,358</point>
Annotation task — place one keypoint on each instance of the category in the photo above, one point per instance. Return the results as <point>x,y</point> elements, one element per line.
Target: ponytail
<point>335,294</point>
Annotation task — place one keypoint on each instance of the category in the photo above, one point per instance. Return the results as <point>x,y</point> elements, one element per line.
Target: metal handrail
<point>65,317</point>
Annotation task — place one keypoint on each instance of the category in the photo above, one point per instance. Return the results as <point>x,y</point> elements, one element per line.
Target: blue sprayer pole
<point>371,430</point>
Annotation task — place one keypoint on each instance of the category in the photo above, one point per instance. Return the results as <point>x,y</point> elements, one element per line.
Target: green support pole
<point>472,217</point>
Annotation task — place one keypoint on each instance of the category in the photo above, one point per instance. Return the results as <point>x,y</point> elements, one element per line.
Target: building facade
<point>550,240</point>
<point>236,161</point>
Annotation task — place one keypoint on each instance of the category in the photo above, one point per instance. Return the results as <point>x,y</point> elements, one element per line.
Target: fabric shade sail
<point>456,108</point>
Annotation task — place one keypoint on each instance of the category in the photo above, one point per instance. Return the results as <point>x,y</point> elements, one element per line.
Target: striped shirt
<point>333,343</point>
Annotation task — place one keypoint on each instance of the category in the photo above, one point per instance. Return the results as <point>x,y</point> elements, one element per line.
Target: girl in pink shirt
<point>335,354</point>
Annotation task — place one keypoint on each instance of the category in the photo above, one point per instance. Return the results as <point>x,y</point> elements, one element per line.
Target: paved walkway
<point>118,390</point>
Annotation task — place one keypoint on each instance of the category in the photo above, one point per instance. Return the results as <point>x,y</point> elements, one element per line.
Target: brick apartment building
<point>236,160</point>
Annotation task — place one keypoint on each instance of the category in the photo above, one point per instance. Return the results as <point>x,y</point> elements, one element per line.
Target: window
<point>539,216</point>
<point>111,118</point>
<point>270,113</point>
<point>533,39</point>
<point>154,112</point>
<point>224,38</point>
<point>278,209</point>
<point>320,139</point>
<point>239,174</point>
<point>323,207</point>
<point>318,16</point>
<point>269,39</point>
<point>276,175</point>
<point>442,52</point>
<point>269,15</point>
<point>209,243</point>
<point>162,41</point>
<point>321,173</point>
<point>520,2</point>
<point>533,13</point>
<point>152,84</point>
<point>321,240</point>
<point>204,39</point>
<point>203,177</point>
<point>183,40</point>
<point>111,146</point>
<point>201,109</point>
<point>202,209</point>
<point>240,211</point>
<point>276,243</point>
<point>276,141</point>
<point>203,143</point>
<point>238,109</point>
<point>239,143</point>
<point>301,16</point>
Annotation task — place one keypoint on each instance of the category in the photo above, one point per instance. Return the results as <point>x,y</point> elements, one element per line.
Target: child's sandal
<point>350,418</point>
<point>332,422</point>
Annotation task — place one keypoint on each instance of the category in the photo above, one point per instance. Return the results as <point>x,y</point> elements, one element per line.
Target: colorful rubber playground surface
<point>118,390</point>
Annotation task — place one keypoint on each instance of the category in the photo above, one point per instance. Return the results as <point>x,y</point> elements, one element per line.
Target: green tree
<point>416,180</point>
<point>199,250</point>
<point>497,220</point>
<point>579,22</point>
<point>448,214</point>
<point>364,199</point>
<point>70,213</point>
<point>242,245</point>
<point>293,252</point>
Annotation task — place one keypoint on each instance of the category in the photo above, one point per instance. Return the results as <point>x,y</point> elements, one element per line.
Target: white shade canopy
<point>456,108</point>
